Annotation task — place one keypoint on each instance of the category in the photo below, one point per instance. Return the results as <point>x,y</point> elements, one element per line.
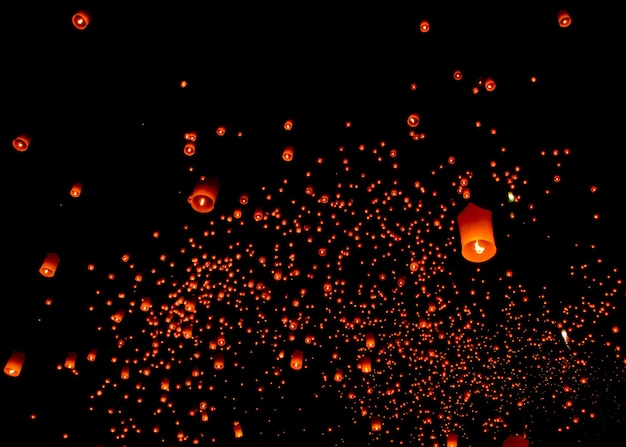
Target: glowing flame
<point>478,248</point>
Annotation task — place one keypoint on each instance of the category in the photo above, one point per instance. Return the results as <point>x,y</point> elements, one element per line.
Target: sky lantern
<point>370,340</point>
<point>366,365</point>
<point>338,375</point>
<point>564,18</point>
<point>424,26</point>
<point>77,188</point>
<point>452,440</point>
<point>490,85</point>
<point>288,125</point>
<point>515,441</point>
<point>477,241</point>
<point>81,19</point>
<point>191,135</point>
<point>376,423</point>
<point>204,195</point>
<point>218,362</point>
<point>91,356</point>
<point>49,266</point>
<point>13,366</point>
<point>237,429</point>
<point>190,148</point>
<point>288,153</point>
<point>297,358</point>
<point>70,360</point>
<point>125,374</point>
<point>413,120</point>
<point>21,143</point>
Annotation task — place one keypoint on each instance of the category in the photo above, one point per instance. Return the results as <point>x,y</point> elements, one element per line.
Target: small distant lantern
<point>490,85</point>
<point>564,18</point>
<point>452,440</point>
<point>288,125</point>
<point>338,375</point>
<point>288,153</point>
<point>204,195</point>
<point>146,304</point>
<point>477,241</point>
<point>118,316</point>
<point>413,120</point>
<point>21,143</point>
<point>91,356</point>
<point>237,429</point>
<point>13,366</point>
<point>77,188</point>
<point>424,26</point>
<point>191,135</point>
<point>297,358</point>
<point>190,148</point>
<point>81,19</point>
<point>125,374</point>
<point>49,266</point>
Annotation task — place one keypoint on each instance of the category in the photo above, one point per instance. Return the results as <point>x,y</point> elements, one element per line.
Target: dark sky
<point>465,348</point>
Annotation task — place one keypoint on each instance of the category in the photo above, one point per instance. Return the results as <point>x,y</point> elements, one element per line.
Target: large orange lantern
<point>452,440</point>
<point>237,429</point>
<point>21,143</point>
<point>70,360</point>
<point>13,366</point>
<point>297,358</point>
<point>204,195</point>
<point>515,441</point>
<point>376,423</point>
<point>288,153</point>
<point>564,18</point>
<point>477,241</point>
<point>81,19</point>
<point>49,266</point>
<point>77,188</point>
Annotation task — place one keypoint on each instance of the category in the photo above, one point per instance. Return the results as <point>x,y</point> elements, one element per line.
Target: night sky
<point>165,326</point>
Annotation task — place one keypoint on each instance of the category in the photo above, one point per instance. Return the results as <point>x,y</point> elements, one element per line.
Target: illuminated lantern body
<point>70,360</point>
<point>49,266</point>
<point>515,441</point>
<point>288,153</point>
<point>376,423</point>
<point>190,148</point>
<point>204,194</point>
<point>453,440</point>
<point>21,143</point>
<point>366,365</point>
<point>91,357</point>
<point>339,375</point>
<point>370,341</point>
<point>424,26</point>
<point>297,357</point>
<point>125,373</point>
<point>13,366</point>
<point>76,189</point>
<point>81,19</point>
<point>477,241</point>
<point>564,19</point>
<point>218,362</point>
<point>237,429</point>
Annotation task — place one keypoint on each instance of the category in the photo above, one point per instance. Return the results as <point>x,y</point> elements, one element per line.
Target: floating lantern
<point>91,356</point>
<point>376,423</point>
<point>203,197</point>
<point>237,429</point>
<point>370,341</point>
<point>288,153</point>
<point>477,241</point>
<point>77,188</point>
<point>452,440</point>
<point>218,362</point>
<point>515,441</point>
<point>297,358</point>
<point>190,148</point>
<point>81,19</point>
<point>366,365</point>
<point>424,26</point>
<point>21,143</point>
<point>49,266</point>
<point>338,375</point>
<point>564,18</point>
<point>13,366</point>
<point>70,360</point>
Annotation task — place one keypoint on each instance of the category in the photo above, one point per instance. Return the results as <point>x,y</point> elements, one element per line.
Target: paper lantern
<point>190,148</point>
<point>203,197</point>
<point>237,429</point>
<point>77,188</point>
<point>81,19</point>
<point>452,440</point>
<point>424,26</point>
<point>218,362</point>
<point>564,18</point>
<point>476,229</point>
<point>125,374</point>
<point>70,360</point>
<point>376,423</point>
<point>339,375</point>
<point>91,356</point>
<point>288,153</point>
<point>49,266</point>
<point>366,365</point>
<point>370,340</point>
<point>13,366</point>
<point>515,441</point>
<point>21,143</point>
<point>297,358</point>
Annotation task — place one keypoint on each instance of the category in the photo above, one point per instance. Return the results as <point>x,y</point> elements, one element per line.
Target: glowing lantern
<point>218,362</point>
<point>515,441</point>
<point>70,360</point>
<point>146,304</point>
<point>452,440</point>
<point>165,384</point>
<point>77,187</point>
<point>91,356</point>
<point>339,375</point>
<point>288,125</point>
<point>49,266</point>
<point>81,19</point>
<point>190,148</point>
<point>237,429</point>
<point>203,197</point>
<point>424,26</point>
<point>125,372</point>
<point>288,153</point>
<point>191,136</point>
<point>13,366</point>
<point>117,316</point>
<point>21,143</point>
<point>490,85</point>
<point>297,357</point>
<point>564,19</point>
<point>376,423</point>
<point>477,241</point>
<point>370,341</point>
<point>413,120</point>
<point>366,365</point>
